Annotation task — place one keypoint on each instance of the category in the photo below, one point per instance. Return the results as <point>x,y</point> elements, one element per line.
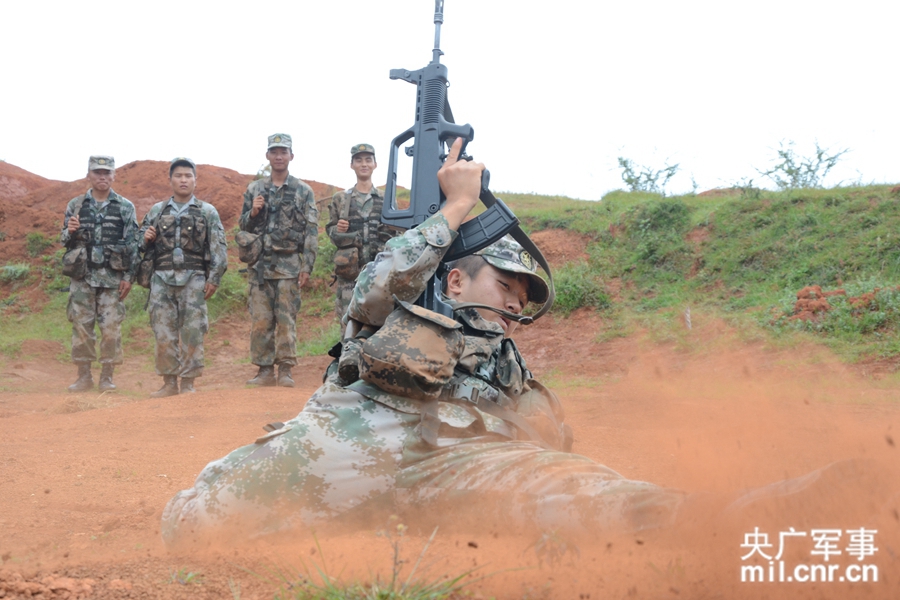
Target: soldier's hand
<point>150,235</point>
<point>74,224</point>
<point>302,279</point>
<point>208,291</point>
<point>258,204</point>
<point>343,225</point>
<point>124,288</point>
<point>461,182</point>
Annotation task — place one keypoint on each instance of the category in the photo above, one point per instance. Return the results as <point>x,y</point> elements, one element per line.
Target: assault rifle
<point>433,132</point>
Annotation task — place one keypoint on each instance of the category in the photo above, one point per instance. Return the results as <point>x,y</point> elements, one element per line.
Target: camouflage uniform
<point>105,230</point>
<point>364,239</point>
<point>357,448</point>
<point>176,305</point>
<point>289,226</point>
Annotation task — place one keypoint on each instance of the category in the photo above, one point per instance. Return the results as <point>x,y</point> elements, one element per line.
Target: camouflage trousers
<point>89,306</point>
<point>345,457</point>
<point>179,322</point>
<point>273,312</point>
<point>343,293</point>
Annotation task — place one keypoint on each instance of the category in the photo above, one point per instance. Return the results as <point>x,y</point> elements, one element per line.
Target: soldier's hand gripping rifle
<point>433,131</point>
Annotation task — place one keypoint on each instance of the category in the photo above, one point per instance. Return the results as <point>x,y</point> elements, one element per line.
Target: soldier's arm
<point>311,239</point>
<point>218,248</point>
<point>145,225</point>
<point>246,222</point>
<point>340,240</point>
<point>130,235</point>
<point>66,238</point>
<point>402,269</point>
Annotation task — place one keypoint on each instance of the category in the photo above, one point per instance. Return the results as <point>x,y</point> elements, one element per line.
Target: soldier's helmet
<point>507,254</point>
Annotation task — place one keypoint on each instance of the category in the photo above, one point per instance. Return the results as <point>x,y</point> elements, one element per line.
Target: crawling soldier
<point>445,414</point>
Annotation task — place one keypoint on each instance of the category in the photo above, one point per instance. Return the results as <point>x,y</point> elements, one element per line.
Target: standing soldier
<point>282,211</point>
<point>187,241</point>
<point>355,226</point>
<point>100,235</point>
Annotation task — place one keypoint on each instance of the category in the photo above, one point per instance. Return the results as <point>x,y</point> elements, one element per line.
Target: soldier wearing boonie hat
<point>184,238</point>
<point>280,217</point>
<point>355,226</point>
<point>99,232</point>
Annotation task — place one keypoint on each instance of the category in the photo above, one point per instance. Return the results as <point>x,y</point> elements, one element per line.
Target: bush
<point>577,286</point>
<point>14,272</point>
<point>791,171</point>
<point>639,178</point>
<point>36,243</point>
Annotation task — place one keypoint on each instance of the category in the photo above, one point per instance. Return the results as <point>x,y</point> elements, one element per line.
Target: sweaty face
<point>183,183</point>
<point>363,164</point>
<point>101,179</point>
<point>280,159</point>
<point>491,286</point>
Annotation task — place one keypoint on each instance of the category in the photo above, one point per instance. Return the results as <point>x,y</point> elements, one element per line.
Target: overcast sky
<point>554,90</point>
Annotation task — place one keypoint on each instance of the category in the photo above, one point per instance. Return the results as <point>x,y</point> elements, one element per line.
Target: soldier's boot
<point>284,376</point>
<point>85,381</point>
<point>187,385</point>
<point>169,388</point>
<point>106,375</point>
<point>264,377</point>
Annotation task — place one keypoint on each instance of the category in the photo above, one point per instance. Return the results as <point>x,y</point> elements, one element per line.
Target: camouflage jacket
<point>289,224</point>
<point>488,362</point>
<point>215,248</point>
<point>104,230</point>
<point>366,231</point>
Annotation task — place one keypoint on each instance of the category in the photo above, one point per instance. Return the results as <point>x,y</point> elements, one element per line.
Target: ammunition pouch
<point>74,263</point>
<point>144,272</point>
<point>250,246</point>
<point>413,354</point>
<point>346,263</point>
<point>119,259</point>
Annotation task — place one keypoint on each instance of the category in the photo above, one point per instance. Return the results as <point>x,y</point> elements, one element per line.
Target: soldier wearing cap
<point>282,211</point>
<point>445,417</point>
<point>355,226</point>
<point>100,236</point>
<point>187,240</point>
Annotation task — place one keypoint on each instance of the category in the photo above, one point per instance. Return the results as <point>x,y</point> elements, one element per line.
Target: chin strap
<point>521,319</point>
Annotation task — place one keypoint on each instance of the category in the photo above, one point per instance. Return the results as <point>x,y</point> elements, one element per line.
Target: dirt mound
<point>562,245</point>
<point>29,203</point>
<point>812,302</point>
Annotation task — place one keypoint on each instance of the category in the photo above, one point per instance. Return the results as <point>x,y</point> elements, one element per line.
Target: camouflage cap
<point>280,140</point>
<point>358,148</point>
<point>508,255</point>
<point>96,163</point>
<point>181,161</point>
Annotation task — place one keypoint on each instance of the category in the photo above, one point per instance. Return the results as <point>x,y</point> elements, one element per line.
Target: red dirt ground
<point>85,477</point>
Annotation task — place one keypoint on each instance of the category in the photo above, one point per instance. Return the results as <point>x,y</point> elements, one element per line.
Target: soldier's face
<point>183,182</point>
<point>491,286</point>
<point>280,159</point>
<point>363,164</point>
<point>101,179</point>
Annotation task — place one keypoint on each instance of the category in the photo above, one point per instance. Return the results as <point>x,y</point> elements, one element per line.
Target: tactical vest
<point>368,227</point>
<point>183,234</point>
<point>111,232</point>
<point>285,223</point>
